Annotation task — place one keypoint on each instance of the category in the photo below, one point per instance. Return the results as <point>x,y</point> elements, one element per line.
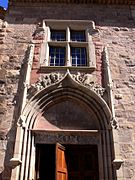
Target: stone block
<point>4,58</point>
<point>125,134</point>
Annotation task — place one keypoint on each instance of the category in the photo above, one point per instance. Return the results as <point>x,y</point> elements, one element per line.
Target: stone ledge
<point>121,2</point>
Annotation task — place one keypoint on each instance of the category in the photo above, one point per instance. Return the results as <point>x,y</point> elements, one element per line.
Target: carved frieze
<point>45,81</point>
<point>83,79</point>
<point>44,138</point>
<point>88,81</point>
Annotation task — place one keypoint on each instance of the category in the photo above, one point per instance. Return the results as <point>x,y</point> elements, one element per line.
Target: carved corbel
<point>15,162</point>
<point>40,31</point>
<point>117,163</point>
<point>114,123</point>
<point>21,122</point>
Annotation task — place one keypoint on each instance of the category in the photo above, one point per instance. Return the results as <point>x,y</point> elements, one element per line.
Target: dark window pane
<point>79,56</point>
<point>78,36</point>
<point>58,35</point>
<point>57,56</point>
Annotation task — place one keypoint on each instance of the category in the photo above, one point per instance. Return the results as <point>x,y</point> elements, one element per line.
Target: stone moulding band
<point>67,137</point>
<point>122,2</point>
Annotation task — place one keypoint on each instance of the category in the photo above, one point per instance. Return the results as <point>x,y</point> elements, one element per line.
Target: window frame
<point>68,27</point>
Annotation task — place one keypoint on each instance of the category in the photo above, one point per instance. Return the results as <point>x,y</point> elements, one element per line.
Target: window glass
<point>79,56</point>
<point>57,56</point>
<point>78,36</point>
<point>57,35</point>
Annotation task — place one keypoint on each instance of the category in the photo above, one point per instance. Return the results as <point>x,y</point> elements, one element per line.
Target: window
<point>57,56</point>
<point>78,36</point>
<point>79,56</point>
<point>58,35</point>
<point>68,44</point>
<point>57,53</point>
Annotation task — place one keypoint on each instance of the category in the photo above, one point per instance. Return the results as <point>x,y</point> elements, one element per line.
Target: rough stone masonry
<point>116,25</point>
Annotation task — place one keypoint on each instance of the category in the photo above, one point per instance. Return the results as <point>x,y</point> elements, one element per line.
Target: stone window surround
<point>68,25</point>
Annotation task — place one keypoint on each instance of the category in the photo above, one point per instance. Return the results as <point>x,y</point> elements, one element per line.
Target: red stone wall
<point>116,31</point>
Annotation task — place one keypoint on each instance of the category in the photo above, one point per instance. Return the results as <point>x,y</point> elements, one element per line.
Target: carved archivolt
<point>86,80</point>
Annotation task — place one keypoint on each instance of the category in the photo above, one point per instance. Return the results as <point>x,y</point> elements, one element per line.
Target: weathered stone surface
<point>129,172</point>
<point>116,30</point>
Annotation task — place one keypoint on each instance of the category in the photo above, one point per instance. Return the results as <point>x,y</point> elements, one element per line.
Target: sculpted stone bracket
<point>117,163</point>
<point>86,80</point>
<point>15,162</point>
<point>39,32</point>
<point>21,122</point>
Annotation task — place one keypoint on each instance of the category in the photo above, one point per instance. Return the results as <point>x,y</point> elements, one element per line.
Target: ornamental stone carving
<point>88,81</point>
<point>45,81</point>
<point>114,123</point>
<point>44,138</point>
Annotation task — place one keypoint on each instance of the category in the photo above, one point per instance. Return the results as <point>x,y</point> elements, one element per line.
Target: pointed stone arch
<point>65,88</point>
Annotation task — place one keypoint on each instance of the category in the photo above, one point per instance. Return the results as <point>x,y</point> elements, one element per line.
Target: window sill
<point>74,68</point>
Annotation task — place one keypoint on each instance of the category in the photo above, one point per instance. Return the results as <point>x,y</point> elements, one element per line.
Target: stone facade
<point>20,46</point>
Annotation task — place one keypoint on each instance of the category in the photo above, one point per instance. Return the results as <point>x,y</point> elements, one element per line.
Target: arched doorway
<point>73,116</point>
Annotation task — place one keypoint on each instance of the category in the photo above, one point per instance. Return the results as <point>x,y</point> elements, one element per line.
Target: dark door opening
<point>45,162</point>
<point>68,162</point>
<point>82,162</point>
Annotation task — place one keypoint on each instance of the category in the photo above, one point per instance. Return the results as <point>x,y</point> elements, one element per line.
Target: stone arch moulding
<point>23,161</point>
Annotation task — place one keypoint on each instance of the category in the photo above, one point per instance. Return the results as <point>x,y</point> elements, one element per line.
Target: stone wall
<point>117,32</point>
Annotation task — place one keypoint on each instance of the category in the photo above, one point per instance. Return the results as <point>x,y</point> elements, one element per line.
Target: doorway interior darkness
<point>68,162</point>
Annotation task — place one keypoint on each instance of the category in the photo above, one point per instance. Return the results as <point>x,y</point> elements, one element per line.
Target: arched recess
<point>69,91</point>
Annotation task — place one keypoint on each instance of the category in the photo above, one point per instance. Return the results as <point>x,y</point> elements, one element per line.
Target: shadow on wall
<point>102,15</point>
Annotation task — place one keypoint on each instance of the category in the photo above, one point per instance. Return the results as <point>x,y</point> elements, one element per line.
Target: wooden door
<point>61,166</point>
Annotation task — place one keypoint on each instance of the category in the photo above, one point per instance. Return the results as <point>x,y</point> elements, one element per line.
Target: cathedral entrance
<point>67,162</point>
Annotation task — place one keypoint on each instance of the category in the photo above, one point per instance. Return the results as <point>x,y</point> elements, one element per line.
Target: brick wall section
<point>116,27</point>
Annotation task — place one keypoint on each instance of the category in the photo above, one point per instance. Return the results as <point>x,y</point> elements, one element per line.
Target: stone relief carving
<point>21,122</point>
<point>45,81</point>
<point>88,81</point>
<point>65,139</point>
<point>40,31</point>
<point>114,123</point>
